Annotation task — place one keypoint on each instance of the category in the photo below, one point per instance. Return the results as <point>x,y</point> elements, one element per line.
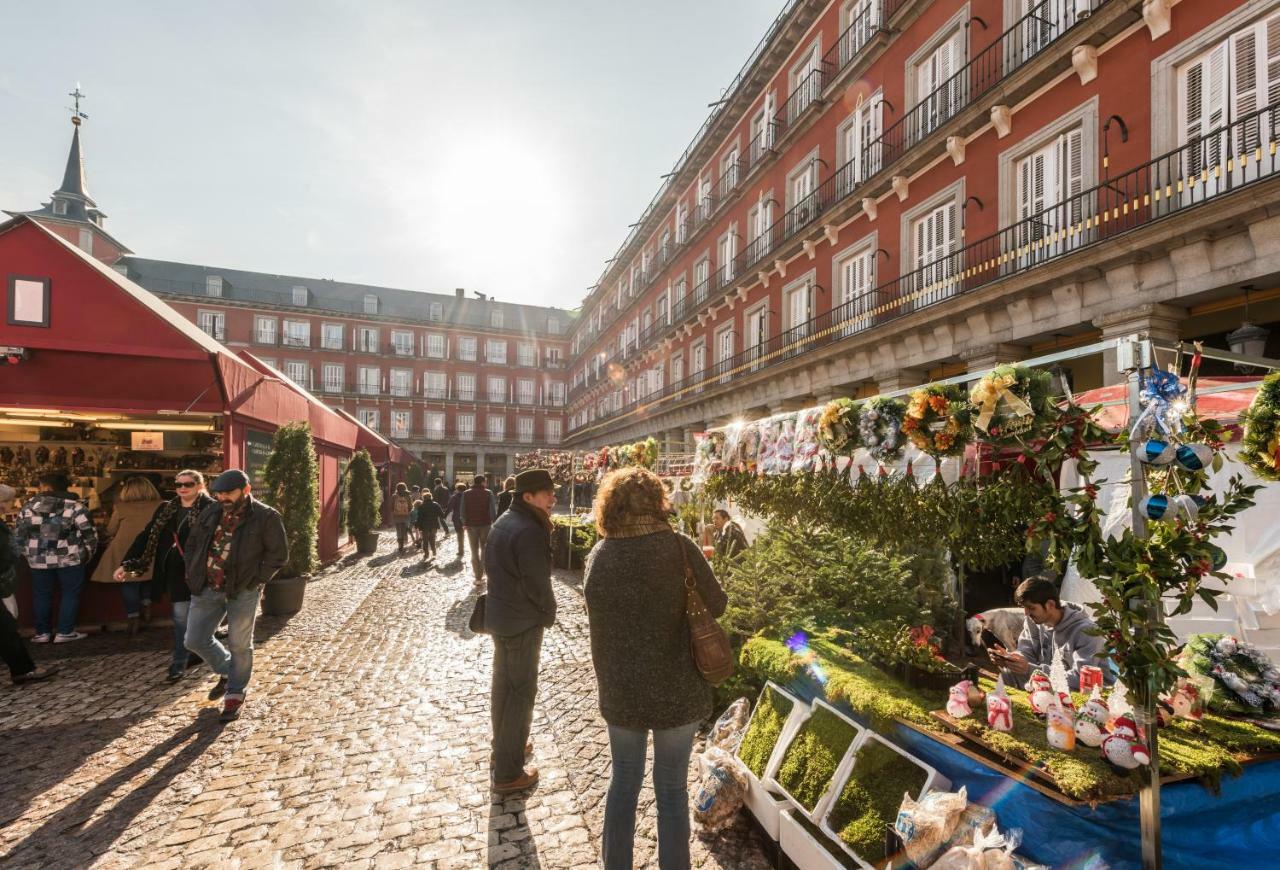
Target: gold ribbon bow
<point>988,394</point>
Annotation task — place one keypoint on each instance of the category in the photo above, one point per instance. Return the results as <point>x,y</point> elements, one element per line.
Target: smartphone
<point>989,640</point>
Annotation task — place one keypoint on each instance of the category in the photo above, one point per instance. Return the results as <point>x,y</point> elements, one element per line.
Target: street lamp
<point>1250,339</point>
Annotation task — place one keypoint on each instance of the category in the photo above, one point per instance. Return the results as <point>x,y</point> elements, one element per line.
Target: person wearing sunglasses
<point>162,546</point>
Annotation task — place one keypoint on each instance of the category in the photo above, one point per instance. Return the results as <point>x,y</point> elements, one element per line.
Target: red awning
<point>327,425</point>
<point>1222,398</point>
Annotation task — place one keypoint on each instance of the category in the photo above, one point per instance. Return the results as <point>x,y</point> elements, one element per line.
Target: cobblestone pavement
<point>364,743</point>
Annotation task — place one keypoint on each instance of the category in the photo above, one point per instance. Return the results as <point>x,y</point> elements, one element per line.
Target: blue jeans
<point>135,593</point>
<point>235,660</point>
<point>180,611</point>
<point>671,750</point>
<point>71,581</point>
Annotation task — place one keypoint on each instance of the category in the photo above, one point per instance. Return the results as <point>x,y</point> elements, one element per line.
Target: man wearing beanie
<point>235,547</point>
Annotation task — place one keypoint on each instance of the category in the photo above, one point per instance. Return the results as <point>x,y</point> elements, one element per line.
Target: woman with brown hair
<point>134,506</point>
<point>647,679</point>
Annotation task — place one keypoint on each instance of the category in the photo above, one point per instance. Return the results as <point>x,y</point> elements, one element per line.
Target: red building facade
<point>896,190</point>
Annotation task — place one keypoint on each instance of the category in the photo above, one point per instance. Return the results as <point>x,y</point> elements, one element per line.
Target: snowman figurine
<point>1060,729</point>
<point>1122,748</point>
<point>1091,724</point>
<point>1185,701</point>
<point>999,711</point>
<point>958,702</point>
<point>1040,692</point>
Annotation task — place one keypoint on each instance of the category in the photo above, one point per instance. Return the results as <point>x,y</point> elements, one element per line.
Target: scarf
<point>636,527</point>
<point>536,513</point>
<point>220,545</point>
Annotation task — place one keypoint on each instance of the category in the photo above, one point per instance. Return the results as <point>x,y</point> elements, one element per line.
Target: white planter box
<point>764,805</point>
<point>799,712</point>
<point>934,780</point>
<point>801,847</point>
<point>819,807</point>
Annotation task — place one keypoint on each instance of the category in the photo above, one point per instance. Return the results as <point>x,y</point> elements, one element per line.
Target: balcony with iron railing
<point>1203,170</point>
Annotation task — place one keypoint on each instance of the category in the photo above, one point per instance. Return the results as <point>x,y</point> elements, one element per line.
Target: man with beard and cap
<point>235,547</point>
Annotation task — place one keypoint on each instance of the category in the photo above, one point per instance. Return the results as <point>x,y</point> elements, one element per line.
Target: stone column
<point>1153,320</point>
<point>448,466</point>
<point>901,379</point>
<point>988,356</point>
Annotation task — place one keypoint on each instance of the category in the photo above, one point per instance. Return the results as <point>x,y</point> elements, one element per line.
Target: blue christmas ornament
<point>1155,507</point>
<point>1219,558</point>
<point>1156,452</point>
<point>1194,457</point>
<point>1162,400</point>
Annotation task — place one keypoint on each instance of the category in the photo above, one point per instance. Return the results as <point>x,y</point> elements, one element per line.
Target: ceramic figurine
<point>999,711</point>
<point>1123,748</point>
<point>958,702</point>
<point>42,455</point>
<point>1060,729</point>
<point>1039,692</point>
<point>1185,701</point>
<point>60,457</point>
<point>77,456</point>
<point>23,456</point>
<point>1091,724</point>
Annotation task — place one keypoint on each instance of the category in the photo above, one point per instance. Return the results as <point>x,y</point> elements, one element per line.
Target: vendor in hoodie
<point>1051,625</point>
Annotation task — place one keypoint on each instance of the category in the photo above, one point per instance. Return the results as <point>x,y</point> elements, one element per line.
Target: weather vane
<point>76,114</point>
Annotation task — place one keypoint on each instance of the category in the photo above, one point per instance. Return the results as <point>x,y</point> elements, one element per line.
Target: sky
<point>503,146</point>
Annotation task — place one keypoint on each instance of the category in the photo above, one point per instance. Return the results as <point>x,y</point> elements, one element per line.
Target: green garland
<point>1261,450</point>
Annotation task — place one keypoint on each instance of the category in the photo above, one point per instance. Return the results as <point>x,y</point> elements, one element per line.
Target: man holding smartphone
<point>1051,626</point>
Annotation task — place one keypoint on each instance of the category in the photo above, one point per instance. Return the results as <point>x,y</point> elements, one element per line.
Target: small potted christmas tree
<point>292,487</point>
<point>365,515</point>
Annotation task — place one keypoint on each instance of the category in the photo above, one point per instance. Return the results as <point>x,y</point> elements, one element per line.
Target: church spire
<point>73,179</point>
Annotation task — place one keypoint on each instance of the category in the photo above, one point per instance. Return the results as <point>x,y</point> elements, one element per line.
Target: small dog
<point>1003,622</point>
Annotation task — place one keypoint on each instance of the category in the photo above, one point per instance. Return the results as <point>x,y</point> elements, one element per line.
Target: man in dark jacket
<point>441,494</point>
<point>235,547</point>
<point>728,537</point>
<point>479,510</point>
<point>519,607</point>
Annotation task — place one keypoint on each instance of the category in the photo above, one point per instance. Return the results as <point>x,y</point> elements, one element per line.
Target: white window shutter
<point>1244,84</point>
<point>1073,162</point>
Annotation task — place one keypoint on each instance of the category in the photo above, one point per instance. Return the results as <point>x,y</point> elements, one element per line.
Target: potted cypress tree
<point>291,476</point>
<point>365,515</point>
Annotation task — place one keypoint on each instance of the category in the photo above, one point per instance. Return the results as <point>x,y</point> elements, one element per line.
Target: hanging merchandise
<point>1164,402</point>
<point>1261,450</point>
<point>838,426</point>
<point>786,444</point>
<point>807,454</point>
<point>880,428</point>
<point>768,463</point>
<point>1011,402</point>
<point>938,420</point>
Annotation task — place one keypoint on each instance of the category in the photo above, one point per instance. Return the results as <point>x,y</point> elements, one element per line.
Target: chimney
<point>460,292</point>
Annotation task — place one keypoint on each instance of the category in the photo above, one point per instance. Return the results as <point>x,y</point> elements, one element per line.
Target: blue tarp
<point>1238,827</point>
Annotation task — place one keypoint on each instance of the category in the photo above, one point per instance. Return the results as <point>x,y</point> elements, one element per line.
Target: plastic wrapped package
<point>990,850</point>
<point>805,457</point>
<point>786,444</point>
<point>927,826</point>
<point>722,791</point>
<point>749,446</point>
<point>727,733</point>
<point>768,456</point>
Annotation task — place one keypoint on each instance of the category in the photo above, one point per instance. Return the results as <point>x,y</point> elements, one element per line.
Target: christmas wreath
<point>938,420</point>
<point>1250,681</point>
<point>838,426</point>
<point>1261,450</point>
<point>880,427</point>
<point>686,484</point>
<point>1012,401</point>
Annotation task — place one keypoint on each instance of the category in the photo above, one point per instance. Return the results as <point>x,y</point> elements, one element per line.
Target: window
<point>706,202</point>
<point>86,241</point>
<point>682,222</point>
<point>402,342</point>
<point>296,371</point>
<point>367,339</point>
<point>553,325</point>
<point>762,131</point>
<point>368,416</point>
<point>1049,182</point>
<point>401,382</point>
<point>331,336</point>
<point>435,345</point>
<point>213,323</point>
<point>726,250</point>
<point>268,360</point>
<point>859,21</point>
<point>497,389</point>
<point>526,354</point>
<point>939,90</point>
<point>400,424</point>
<point>800,194</point>
<point>495,351</point>
<point>553,357</point>
<point>435,311</point>
<point>264,330</point>
<point>467,348</point>
<point>933,240</point>
<point>663,306</point>
<point>59,206</point>
<point>466,387</point>
<point>856,158</point>
<point>334,375</point>
<point>555,392</point>
<point>729,171</point>
<point>855,276</point>
<point>212,285</point>
<point>435,385</point>
<point>799,302</point>
<point>297,333</point>
<point>756,325</point>
<point>551,431</point>
<point>1039,22</point>
<point>466,426</point>
<point>433,424</point>
<point>806,83</point>
<point>524,391</point>
<point>370,304</point>
<point>497,425</point>
<point>698,362</point>
<point>759,220</point>
<point>369,380</point>
<point>664,246</point>
<point>495,318</point>
<point>677,368</point>
<point>524,427</point>
<point>300,295</point>
<point>701,273</point>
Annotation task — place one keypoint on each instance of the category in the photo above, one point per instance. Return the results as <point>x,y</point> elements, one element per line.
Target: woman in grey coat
<point>647,680</point>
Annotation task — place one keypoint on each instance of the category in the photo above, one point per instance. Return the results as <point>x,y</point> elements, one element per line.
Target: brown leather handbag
<point>712,653</point>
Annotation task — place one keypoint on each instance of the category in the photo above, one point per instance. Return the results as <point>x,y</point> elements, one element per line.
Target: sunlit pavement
<point>364,743</point>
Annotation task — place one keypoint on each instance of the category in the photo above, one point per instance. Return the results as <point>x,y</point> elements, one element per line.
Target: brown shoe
<point>525,781</point>
<point>528,749</point>
<point>35,676</point>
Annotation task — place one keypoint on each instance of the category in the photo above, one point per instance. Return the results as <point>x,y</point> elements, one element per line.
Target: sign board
<point>257,449</point>
<point>146,440</point>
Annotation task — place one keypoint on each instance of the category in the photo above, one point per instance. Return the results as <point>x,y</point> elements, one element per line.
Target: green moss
<point>811,760</point>
<point>770,659</point>
<point>869,802</point>
<point>757,744</point>
<point>870,692</point>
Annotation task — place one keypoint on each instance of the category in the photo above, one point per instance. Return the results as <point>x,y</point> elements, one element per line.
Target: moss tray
<point>868,804</point>
<point>813,756</point>
<point>771,714</point>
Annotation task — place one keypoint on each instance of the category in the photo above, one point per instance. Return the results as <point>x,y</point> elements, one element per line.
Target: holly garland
<point>1261,449</point>
<point>880,428</point>
<point>938,421</point>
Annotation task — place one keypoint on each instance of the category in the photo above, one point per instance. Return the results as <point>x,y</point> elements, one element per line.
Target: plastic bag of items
<point>723,789</point>
<point>937,822</point>
<point>727,733</point>
<point>990,850</point>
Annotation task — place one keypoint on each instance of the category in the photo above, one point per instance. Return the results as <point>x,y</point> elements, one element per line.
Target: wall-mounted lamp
<point>823,162</point>
<point>883,251</point>
<point>973,18</point>
<point>1106,148</point>
<point>964,210</point>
